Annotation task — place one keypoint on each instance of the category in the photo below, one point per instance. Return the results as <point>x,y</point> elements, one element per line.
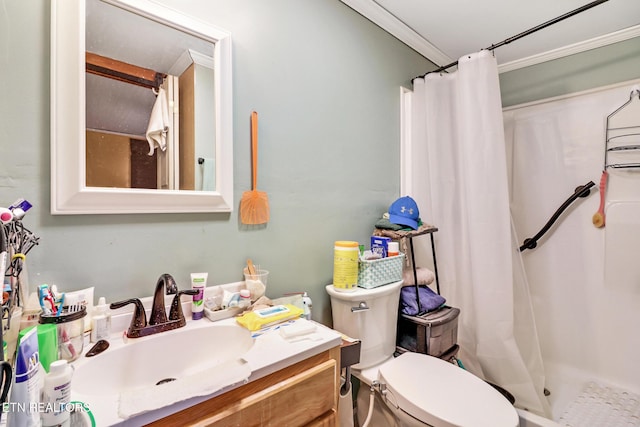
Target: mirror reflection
<point>150,103</point>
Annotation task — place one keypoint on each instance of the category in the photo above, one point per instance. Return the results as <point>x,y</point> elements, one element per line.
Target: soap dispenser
<point>101,321</point>
<point>306,302</point>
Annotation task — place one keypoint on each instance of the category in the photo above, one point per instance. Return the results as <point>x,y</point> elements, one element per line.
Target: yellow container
<point>345,266</point>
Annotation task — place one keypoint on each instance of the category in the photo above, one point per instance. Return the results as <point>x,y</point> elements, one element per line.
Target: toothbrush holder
<point>70,326</point>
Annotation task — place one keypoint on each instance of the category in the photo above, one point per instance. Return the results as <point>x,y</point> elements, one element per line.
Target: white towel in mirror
<point>158,123</point>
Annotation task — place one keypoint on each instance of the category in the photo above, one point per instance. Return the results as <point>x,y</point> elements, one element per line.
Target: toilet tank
<point>374,323</point>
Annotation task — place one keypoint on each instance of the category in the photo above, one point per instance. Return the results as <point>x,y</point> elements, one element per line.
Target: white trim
<point>388,22</point>
<point>173,18</point>
<point>181,64</point>
<point>201,59</point>
<point>69,194</point>
<point>189,57</point>
<point>635,82</point>
<point>405,140</point>
<point>594,43</point>
<point>385,20</point>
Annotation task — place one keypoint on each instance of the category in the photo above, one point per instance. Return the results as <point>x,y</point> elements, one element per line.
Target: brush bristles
<point>254,207</point>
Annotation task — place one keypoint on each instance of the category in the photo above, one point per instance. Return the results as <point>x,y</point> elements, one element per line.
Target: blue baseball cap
<point>404,211</point>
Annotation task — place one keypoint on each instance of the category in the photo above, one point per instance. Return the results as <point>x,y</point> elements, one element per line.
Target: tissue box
<point>380,245</point>
<point>378,272</point>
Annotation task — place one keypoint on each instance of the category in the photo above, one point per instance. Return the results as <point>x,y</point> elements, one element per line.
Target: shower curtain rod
<point>524,33</point>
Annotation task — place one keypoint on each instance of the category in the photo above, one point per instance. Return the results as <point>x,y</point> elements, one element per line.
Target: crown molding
<point>388,22</point>
<point>594,43</point>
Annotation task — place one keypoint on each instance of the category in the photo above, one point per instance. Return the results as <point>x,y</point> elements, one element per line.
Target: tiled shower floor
<point>600,406</point>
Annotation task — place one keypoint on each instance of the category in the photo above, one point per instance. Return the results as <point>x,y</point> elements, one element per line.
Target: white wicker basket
<point>378,272</point>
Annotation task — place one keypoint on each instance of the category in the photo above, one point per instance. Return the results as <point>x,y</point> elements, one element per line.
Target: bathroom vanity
<point>278,382</point>
<point>303,394</point>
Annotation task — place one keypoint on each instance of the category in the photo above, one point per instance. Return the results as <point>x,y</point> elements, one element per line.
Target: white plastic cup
<point>256,283</point>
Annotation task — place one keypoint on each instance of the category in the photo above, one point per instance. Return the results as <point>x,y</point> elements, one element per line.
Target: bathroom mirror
<point>209,161</point>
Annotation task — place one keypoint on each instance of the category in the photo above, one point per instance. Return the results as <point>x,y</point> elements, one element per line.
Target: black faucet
<point>139,318</point>
<point>158,321</point>
<point>165,285</point>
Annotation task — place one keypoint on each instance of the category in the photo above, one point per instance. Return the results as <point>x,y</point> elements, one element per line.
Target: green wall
<point>607,65</point>
<point>325,82</point>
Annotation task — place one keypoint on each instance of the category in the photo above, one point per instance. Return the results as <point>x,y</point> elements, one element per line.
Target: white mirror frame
<point>69,194</point>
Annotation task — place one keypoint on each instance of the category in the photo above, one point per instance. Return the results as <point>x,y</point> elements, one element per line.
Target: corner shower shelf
<point>622,139</point>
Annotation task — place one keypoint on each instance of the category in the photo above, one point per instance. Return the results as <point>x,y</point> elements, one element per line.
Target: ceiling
<point>443,31</point>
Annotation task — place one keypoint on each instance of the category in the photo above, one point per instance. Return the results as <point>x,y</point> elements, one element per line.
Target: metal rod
<point>525,33</point>
<point>415,275</point>
<point>435,264</point>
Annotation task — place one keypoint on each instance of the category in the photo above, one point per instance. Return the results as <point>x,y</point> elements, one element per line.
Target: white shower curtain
<point>459,179</point>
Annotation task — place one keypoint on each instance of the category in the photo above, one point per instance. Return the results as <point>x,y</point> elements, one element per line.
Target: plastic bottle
<point>100,321</point>
<point>345,266</point>
<point>56,394</point>
<point>306,302</point>
<point>245,298</point>
<point>393,249</point>
<point>198,283</point>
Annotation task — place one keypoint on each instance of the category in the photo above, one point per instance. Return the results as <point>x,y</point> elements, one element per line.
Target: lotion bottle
<point>199,283</point>
<point>101,321</point>
<point>56,394</point>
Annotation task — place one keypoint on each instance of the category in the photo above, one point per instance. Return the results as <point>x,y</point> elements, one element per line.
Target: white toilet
<point>420,390</point>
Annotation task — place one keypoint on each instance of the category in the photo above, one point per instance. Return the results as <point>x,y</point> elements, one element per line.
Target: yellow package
<point>258,319</point>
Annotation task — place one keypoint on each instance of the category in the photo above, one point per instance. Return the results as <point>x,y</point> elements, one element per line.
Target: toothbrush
<point>53,304</point>
<point>43,290</point>
<point>51,298</point>
<point>60,304</point>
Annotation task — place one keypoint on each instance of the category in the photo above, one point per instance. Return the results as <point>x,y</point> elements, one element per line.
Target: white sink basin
<point>206,359</point>
<point>166,356</point>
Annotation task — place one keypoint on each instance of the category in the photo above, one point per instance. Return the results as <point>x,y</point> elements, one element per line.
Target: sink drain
<point>166,380</point>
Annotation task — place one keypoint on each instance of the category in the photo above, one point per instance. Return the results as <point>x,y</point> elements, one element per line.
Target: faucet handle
<point>176,306</point>
<point>139,318</point>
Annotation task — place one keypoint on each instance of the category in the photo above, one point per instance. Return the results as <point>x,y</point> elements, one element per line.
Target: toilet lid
<point>442,394</point>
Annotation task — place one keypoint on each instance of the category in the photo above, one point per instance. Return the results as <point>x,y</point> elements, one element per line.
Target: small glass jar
<point>70,327</point>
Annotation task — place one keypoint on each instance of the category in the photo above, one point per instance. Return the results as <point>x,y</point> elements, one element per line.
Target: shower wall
<point>584,283</point>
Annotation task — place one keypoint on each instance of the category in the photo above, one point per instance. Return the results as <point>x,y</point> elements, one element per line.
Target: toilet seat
<point>442,394</point>
<point>370,374</point>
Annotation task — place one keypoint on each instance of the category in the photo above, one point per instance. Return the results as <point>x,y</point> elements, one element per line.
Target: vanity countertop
<point>270,353</point>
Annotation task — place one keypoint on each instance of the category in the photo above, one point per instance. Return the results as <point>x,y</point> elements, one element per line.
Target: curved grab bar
<point>582,191</point>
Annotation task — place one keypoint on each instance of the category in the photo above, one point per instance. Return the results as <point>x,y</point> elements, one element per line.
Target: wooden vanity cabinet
<point>303,394</point>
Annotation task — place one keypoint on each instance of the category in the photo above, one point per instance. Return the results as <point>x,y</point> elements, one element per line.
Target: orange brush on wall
<point>254,205</point>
